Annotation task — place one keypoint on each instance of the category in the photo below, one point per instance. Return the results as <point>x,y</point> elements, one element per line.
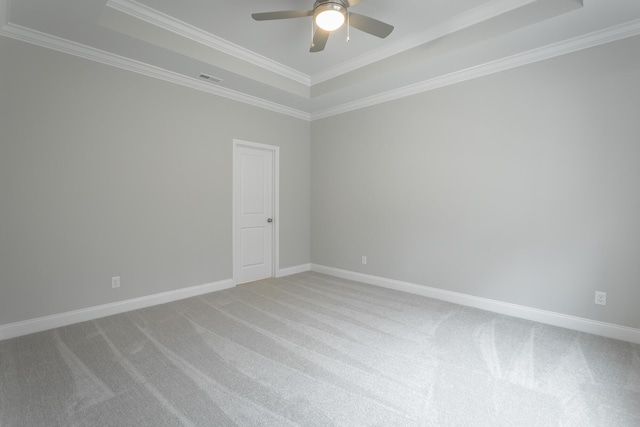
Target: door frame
<point>237,143</point>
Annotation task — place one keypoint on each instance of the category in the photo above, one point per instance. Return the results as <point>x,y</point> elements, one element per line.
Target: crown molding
<point>49,41</point>
<point>455,24</point>
<point>169,23</point>
<point>618,32</point>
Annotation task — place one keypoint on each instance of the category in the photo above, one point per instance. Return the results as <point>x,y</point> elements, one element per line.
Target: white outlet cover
<point>601,298</point>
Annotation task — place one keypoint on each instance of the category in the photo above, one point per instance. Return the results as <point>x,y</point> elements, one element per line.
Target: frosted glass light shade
<point>330,19</point>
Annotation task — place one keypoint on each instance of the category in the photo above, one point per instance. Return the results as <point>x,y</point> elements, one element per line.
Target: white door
<point>253,213</point>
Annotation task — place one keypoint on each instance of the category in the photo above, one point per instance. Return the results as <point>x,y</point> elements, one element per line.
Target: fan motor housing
<point>339,5</point>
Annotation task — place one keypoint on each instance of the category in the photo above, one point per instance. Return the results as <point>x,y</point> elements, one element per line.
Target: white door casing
<point>255,201</point>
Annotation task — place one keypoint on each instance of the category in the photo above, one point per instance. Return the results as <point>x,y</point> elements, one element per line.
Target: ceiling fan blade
<point>284,14</point>
<point>353,2</point>
<point>319,40</point>
<point>370,25</point>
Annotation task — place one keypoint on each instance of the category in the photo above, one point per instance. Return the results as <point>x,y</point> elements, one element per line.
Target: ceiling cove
<point>492,37</point>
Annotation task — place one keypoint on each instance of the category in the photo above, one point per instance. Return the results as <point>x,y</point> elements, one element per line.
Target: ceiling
<point>268,64</point>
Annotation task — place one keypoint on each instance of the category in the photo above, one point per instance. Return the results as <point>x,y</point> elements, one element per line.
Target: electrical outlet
<point>115,282</point>
<point>364,260</point>
<point>601,298</point>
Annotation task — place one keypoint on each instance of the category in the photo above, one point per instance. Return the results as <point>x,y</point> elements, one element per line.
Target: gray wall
<point>104,172</point>
<point>523,186</point>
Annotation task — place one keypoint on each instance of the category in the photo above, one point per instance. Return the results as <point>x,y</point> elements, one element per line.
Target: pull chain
<point>348,25</point>
<point>312,21</point>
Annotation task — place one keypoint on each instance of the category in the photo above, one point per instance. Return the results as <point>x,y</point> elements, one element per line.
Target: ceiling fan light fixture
<point>329,16</point>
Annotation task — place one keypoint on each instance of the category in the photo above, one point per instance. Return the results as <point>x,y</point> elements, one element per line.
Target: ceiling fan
<point>330,15</point>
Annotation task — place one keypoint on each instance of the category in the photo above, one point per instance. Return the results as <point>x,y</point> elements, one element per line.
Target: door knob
<point>269,219</point>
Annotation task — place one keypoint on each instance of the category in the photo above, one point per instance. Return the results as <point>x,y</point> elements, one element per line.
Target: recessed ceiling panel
<point>268,63</point>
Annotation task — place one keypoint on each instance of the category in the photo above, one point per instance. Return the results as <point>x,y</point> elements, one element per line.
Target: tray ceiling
<point>268,63</point>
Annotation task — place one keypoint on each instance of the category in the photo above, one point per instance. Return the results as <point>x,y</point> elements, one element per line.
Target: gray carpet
<point>314,350</point>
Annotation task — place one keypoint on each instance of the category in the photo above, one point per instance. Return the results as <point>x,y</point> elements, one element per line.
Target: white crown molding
<point>455,24</point>
<point>66,46</point>
<point>169,23</point>
<point>618,32</point>
<point>581,324</point>
<point>40,324</point>
<point>596,38</point>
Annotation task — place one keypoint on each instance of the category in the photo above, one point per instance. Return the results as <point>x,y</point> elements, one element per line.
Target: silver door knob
<point>269,219</point>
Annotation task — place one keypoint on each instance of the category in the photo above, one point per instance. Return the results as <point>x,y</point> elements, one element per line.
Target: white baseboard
<point>581,324</point>
<point>39,324</point>
<point>293,270</point>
